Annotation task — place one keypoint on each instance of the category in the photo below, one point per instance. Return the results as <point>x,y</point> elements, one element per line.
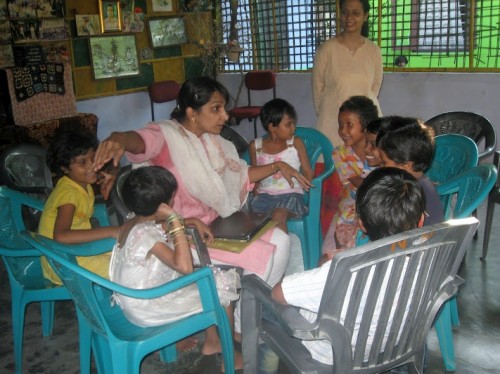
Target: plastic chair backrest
<point>472,125</point>
<point>120,346</point>
<point>162,92</point>
<point>23,168</point>
<point>471,188</point>
<point>236,138</point>
<point>24,269</point>
<point>378,304</point>
<point>454,154</point>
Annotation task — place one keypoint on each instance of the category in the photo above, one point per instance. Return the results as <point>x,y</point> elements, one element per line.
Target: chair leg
<point>47,311</point>
<point>169,353</point>
<point>445,337</point>
<point>490,209</point>
<point>455,321</point>
<point>255,127</point>
<point>18,311</point>
<point>250,313</point>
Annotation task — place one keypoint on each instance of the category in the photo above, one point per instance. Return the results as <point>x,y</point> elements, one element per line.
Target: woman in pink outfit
<point>212,179</point>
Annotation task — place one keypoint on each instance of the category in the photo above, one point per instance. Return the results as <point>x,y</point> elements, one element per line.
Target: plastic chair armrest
<point>287,316</point>
<point>101,213</point>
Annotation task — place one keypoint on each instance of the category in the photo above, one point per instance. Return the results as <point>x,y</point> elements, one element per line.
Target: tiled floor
<point>477,339</point>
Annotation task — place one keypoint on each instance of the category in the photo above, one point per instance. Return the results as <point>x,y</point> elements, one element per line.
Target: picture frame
<point>6,56</point>
<point>163,6</point>
<point>164,32</point>
<point>110,16</point>
<point>114,56</point>
<point>87,24</point>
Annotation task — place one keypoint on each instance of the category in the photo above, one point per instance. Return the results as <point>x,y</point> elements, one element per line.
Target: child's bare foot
<point>237,336</point>
<point>186,345</point>
<point>238,362</point>
<point>211,347</point>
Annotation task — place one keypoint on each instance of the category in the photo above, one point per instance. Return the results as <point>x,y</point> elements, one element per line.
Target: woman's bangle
<point>172,218</point>
<point>177,229</point>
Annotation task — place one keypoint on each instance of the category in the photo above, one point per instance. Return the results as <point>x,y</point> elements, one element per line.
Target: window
<point>283,35</point>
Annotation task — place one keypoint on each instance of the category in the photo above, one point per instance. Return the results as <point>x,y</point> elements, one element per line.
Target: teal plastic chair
<point>118,345</point>
<point>454,154</point>
<point>22,262</point>
<point>462,195</point>
<point>308,227</point>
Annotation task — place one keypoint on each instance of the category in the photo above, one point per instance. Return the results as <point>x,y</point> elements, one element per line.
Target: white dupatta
<point>209,166</point>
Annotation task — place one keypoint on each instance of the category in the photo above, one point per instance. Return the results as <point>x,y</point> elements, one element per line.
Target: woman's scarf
<point>209,166</point>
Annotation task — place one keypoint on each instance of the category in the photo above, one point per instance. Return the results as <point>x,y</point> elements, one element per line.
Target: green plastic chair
<point>22,262</point>
<point>308,227</point>
<point>118,345</point>
<point>462,195</point>
<point>454,154</point>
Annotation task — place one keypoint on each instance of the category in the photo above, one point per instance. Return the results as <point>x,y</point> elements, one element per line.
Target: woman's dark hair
<point>195,93</point>
<point>68,143</point>
<point>146,188</point>
<point>363,107</point>
<point>389,201</point>
<point>366,9</point>
<point>273,112</point>
<point>405,139</point>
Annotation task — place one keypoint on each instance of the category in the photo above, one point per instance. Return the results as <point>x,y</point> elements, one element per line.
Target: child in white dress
<point>274,194</point>
<point>152,249</point>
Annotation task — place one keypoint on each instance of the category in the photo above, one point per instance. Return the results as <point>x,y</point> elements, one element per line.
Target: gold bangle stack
<point>175,224</point>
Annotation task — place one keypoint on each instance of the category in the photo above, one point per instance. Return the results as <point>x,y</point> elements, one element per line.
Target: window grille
<point>438,35</point>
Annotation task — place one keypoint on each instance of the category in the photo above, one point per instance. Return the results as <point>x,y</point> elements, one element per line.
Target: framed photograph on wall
<point>164,32</point>
<point>87,24</point>
<point>163,6</point>
<point>6,56</point>
<point>114,56</point>
<point>110,16</point>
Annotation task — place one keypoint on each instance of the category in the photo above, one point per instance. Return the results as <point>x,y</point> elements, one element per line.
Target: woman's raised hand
<point>289,172</point>
<point>111,148</point>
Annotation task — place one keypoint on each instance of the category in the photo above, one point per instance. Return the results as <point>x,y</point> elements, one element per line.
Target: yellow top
<point>69,192</point>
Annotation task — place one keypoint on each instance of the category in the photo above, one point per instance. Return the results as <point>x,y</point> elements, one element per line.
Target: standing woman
<point>347,65</point>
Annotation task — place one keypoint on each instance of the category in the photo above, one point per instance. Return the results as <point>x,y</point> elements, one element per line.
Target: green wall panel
<point>145,77</point>
<point>81,55</point>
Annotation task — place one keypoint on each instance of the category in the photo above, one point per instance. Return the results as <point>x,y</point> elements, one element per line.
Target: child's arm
<point>305,164</point>
<point>253,161</point>
<point>179,259</point>
<point>203,229</point>
<point>356,181</point>
<point>64,234</point>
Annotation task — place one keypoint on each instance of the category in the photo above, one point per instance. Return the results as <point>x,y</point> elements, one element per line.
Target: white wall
<point>420,95</point>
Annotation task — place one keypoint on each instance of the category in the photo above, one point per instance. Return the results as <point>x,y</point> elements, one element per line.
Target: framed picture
<point>87,24</point>
<point>5,36</point>
<point>114,56</point>
<point>163,6</point>
<point>164,32</point>
<point>6,56</point>
<point>25,31</point>
<point>53,29</point>
<point>110,15</point>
